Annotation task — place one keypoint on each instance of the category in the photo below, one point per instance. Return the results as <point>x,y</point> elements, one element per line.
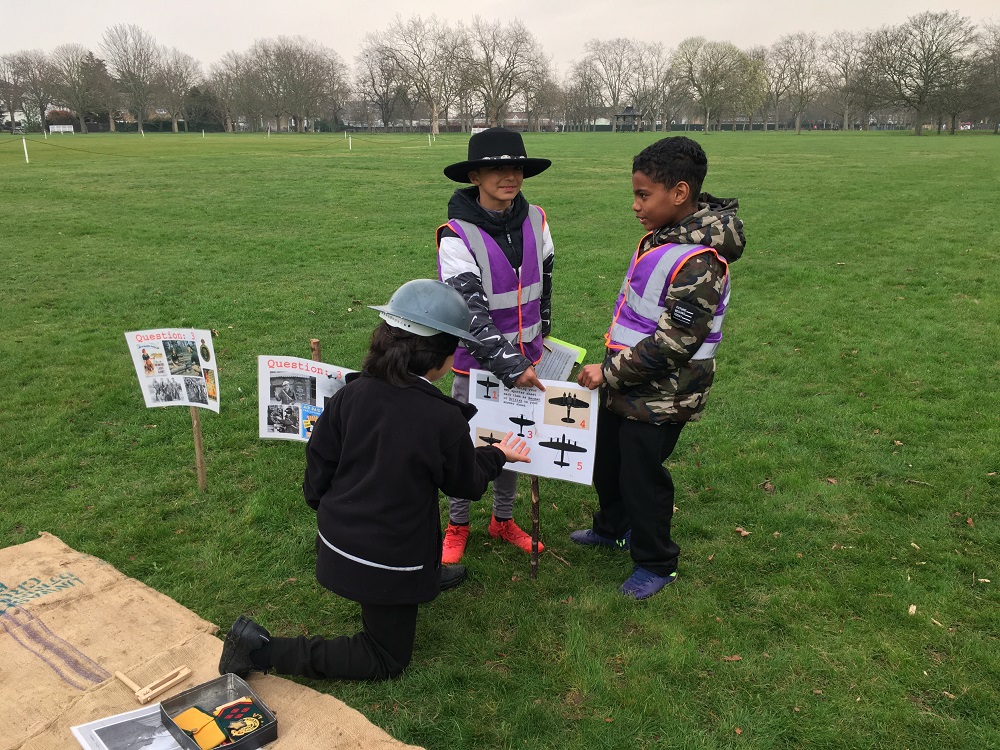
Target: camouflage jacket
<point>656,380</point>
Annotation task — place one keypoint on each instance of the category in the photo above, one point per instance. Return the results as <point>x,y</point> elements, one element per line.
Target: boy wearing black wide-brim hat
<point>496,249</point>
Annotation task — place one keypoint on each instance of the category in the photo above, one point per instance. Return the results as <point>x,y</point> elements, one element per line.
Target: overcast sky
<point>207,29</point>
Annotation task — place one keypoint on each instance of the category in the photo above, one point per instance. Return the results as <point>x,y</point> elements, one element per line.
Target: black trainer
<point>451,576</point>
<point>243,637</point>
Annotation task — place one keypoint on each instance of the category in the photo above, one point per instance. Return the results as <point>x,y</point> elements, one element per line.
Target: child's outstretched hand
<point>514,448</point>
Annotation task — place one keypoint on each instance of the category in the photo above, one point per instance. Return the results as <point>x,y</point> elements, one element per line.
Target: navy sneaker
<point>643,583</point>
<point>591,538</point>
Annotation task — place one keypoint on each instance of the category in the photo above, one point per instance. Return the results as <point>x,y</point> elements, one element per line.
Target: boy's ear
<point>474,177</point>
<point>682,192</point>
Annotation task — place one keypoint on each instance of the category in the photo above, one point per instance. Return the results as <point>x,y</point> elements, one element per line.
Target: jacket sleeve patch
<point>685,314</point>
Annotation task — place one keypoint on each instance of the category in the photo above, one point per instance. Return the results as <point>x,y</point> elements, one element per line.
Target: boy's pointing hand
<point>529,379</point>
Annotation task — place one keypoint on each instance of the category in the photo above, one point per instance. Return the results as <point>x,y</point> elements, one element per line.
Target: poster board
<point>176,367</point>
<point>292,393</point>
<point>559,423</point>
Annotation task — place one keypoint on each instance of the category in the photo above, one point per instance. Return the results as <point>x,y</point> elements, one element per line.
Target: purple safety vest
<point>642,299</point>
<point>513,295</point>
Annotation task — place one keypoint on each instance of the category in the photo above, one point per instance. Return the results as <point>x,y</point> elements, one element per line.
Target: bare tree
<point>801,53</point>
<point>751,84</point>
<point>711,70</point>
<point>134,59</point>
<point>583,98</point>
<point>987,74</point>
<point>842,51</point>
<point>178,73</point>
<point>78,79</point>
<point>379,79</point>
<point>777,71</point>
<point>542,97</point>
<point>610,61</point>
<point>919,57</point>
<point>11,85</point>
<point>236,81</point>
<point>424,49</point>
<point>39,82</point>
<point>499,60</point>
<point>650,80</point>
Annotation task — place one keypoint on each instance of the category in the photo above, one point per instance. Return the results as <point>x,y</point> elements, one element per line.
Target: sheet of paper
<point>292,393</point>
<point>176,367</point>
<point>559,424</point>
<point>558,359</point>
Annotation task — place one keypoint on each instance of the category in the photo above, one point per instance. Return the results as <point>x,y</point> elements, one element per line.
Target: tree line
<point>934,67</point>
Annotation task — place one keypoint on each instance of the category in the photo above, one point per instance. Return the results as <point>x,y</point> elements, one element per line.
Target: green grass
<point>853,429</point>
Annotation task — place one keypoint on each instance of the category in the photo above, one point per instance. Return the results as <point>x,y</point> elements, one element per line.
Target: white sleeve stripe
<point>455,258</point>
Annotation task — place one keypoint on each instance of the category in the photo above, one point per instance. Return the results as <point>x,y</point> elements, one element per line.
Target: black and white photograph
<point>293,390</point>
<point>136,730</point>
<point>283,419</point>
<point>166,390</point>
<point>196,391</point>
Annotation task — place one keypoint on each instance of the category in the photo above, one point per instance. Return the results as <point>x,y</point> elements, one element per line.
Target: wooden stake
<point>199,451</point>
<point>316,349</point>
<point>534,527</point>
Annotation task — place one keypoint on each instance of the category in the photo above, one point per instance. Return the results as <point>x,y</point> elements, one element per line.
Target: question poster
<point>176,367</point>
<point>292,393</point>
<point>559,423</point>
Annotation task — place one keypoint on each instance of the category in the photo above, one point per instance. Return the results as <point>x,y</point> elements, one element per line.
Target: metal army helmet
<point>427,307</point>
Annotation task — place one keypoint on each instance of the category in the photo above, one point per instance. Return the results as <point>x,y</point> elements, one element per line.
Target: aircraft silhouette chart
<point>491,440</point>
<point>564,446</point>
<point>488,384</point>
<point>570,402</point>
<point>521,421</point>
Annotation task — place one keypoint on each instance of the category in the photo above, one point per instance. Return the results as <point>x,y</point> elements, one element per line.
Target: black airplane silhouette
<point>570,402</point>
<point>491,440</point>
<point>563,446</point>
<point>488,384</point>
<point>523,422</point>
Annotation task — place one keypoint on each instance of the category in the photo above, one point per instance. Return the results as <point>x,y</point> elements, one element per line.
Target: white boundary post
<point>349,146</point>
<point>24,142</point>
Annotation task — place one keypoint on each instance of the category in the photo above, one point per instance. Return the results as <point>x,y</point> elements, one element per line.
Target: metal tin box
<point>214,693</point>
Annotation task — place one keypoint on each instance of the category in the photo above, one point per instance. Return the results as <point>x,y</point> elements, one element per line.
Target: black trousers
<point>381,650</point>
<point>634,488</point>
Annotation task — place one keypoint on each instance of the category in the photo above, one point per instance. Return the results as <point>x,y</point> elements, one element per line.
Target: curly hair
<point>399,357</point>
<point>673,160</point>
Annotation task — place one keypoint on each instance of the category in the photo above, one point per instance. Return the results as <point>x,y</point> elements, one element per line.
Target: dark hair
<point>673,160</point>
<point>399,357</point>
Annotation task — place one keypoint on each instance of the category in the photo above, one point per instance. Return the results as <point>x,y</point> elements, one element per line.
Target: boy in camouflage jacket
<point>660,361</point>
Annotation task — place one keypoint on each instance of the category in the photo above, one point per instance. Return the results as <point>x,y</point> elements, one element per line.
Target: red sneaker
<point>511,532</point>
<point>454,544</point>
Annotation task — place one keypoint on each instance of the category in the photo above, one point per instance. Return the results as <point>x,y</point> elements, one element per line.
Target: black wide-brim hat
<point>496,147</point>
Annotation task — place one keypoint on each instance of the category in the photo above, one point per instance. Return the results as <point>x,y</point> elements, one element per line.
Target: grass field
<point>853,429</point>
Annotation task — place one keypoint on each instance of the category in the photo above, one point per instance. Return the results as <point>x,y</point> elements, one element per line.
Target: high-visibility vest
<point>513,295</point>
<point>642,299</point>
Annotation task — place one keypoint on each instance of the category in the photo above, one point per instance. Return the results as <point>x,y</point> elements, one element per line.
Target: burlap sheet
<point>69,621</point>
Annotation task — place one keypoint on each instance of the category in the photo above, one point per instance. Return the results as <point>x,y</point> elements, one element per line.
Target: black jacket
<point>377,457</point>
